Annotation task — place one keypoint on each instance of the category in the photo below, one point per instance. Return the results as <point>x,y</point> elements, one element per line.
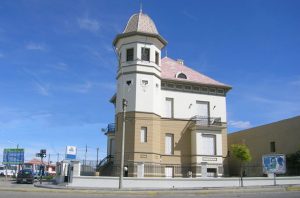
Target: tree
<point>242,153</point>
<point>293,163</point>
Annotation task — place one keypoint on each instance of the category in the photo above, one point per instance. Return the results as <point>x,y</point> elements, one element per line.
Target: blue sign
<point>70,157</point>
<point>13,156</point>
<point>274,164</point>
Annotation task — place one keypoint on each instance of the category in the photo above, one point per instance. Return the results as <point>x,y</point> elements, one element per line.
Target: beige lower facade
<point>280,137</point>
<point>151,157</point>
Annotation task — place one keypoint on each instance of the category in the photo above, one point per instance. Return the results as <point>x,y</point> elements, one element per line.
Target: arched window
<point>181,75</point>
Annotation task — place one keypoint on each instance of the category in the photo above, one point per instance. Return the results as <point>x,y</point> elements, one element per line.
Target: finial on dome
<point>141,7</point>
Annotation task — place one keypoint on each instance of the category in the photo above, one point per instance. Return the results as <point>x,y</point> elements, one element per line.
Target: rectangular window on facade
<point>169,142</point>
<point>169,103</point>
<point>145,54</point>
<point>156,58</point>
<point>112,147</point>
<point>272,147</point>
<point>120,59</point>
<point>208,144</point>
<point>129,54</point>
<point>202,109</point>
<point>143,134</point>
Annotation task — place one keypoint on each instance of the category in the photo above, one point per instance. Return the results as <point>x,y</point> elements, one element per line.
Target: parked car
<point>6,171</point>
<point>25,176</point>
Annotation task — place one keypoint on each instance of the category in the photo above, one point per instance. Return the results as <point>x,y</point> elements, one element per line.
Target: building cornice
<point>128,34</point>
<point>182,86</point>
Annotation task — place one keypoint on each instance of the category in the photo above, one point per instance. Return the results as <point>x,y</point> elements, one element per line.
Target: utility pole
<point>97,156</point>
<point>85,154</point>
<point>57,157</point>
<point>84,167</point>
<point>49,158</point>
<point>124,104</point>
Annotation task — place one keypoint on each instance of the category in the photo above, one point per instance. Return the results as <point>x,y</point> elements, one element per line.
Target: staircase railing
<point>104,161</point>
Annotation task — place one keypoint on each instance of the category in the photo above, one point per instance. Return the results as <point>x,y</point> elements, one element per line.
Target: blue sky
<point>57,65</point>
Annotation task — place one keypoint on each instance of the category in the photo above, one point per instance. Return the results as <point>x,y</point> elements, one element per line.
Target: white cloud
<point>240,124</point>
<point>88,24</point>
<point>42,89</point>
<point>88,86</point>
<point>189,15</point>
<point>83,88</point>
<point>295,83</point>
<point>35,46</point>
<point>269,101</point>
<point>61,66</point>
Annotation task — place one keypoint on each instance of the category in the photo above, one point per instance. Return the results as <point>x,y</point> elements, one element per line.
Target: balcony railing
<point>207,121</point>
<point>111,128</point>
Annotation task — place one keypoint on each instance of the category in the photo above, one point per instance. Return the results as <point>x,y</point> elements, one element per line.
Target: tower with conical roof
<point>175,116</point>
<point>138,81</point>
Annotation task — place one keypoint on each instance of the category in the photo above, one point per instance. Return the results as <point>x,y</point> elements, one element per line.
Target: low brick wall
<point>168,183</point>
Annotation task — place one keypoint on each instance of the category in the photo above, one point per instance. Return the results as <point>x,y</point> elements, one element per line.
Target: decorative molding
<point>193,88</point>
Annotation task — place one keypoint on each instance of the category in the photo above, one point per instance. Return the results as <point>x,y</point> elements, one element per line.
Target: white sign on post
<point>71,152</point>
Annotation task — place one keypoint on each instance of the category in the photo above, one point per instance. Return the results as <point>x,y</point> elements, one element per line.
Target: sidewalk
<point>140,191</point>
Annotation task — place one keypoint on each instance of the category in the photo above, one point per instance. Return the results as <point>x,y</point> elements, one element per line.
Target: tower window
<point>143,134</point>
<point>129,54</point>
<point>181,75</point>
<point>272,147</point>
<point>145,54</point>
<point>156,58</point>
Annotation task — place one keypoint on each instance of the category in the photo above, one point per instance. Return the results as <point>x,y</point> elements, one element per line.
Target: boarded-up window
<point>202,109</point>
<point>169,142</point>
<point>208,144</point>
<point>169,107</point>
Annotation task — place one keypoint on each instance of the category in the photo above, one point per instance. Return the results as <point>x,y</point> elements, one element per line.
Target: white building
<point>175,118</point>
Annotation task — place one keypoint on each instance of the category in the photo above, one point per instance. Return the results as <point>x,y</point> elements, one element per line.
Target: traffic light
<point>43,153</point>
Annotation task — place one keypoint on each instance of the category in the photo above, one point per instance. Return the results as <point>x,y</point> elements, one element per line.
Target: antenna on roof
<point>141,7</point>
<point>166,52</point>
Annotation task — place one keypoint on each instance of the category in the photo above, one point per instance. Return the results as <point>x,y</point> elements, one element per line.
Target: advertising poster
<point>13,156</point>
<point>274,164</point>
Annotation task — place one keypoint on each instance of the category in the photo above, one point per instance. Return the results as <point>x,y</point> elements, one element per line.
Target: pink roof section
<point>171,68</point>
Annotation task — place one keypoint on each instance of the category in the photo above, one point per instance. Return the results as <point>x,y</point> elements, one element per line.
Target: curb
<point>173,191</point>
<point>198,191</point>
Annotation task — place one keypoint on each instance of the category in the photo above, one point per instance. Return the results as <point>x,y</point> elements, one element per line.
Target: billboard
<point>71,152</point>
<point>13,156</point>
<point>274,163</point>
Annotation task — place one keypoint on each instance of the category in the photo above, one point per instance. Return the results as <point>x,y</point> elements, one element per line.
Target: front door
<point>140,170</point>
<point>169,172</point>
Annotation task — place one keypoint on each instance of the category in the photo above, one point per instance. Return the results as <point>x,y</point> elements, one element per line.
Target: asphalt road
<point>12,194</point>
<point>9,189</point>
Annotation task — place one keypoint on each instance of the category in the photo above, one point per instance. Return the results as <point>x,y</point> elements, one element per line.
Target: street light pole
<point>124,105</point>
<point>97,156</point>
